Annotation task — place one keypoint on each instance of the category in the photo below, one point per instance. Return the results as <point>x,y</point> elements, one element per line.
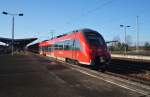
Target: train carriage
<point>83,46</point>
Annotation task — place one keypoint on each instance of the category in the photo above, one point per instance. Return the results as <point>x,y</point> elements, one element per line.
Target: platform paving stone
<point>29,75</point>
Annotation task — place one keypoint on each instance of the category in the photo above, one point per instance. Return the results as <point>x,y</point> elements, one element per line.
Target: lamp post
<point>125,38</point>
<point>137,33</point>
<point>13,22</point>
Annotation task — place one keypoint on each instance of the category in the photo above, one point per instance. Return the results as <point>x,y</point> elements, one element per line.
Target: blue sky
<point>61,16</point>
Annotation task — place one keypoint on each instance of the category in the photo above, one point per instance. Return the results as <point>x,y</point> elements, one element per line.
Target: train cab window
<point>94,39</point>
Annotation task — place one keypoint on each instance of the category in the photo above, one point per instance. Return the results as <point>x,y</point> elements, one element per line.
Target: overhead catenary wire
<point>85,14</point>
<point>93,10</point>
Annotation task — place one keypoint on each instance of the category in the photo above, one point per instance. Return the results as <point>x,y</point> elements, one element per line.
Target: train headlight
<point>102,59</point>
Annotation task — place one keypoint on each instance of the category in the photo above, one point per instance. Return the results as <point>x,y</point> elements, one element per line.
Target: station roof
<point>18,42</point>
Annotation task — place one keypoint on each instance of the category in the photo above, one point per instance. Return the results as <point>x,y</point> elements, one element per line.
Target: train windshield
<point>94,39</point>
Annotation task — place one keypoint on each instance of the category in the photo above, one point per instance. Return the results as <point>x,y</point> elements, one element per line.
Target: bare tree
<point>147,46</point>
<point>116,38</point>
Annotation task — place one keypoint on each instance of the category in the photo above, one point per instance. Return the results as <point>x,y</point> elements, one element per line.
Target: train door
<point>76,49</point>
<point>68,49</point>
<point>73,49</point>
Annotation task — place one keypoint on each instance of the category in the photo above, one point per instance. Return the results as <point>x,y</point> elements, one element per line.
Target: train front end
<point>97,49</point>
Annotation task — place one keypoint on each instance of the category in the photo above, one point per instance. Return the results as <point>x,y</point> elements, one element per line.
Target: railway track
<point>123,69</point>
<point>127,71</point>
<point>132,78</point>
<point>131,70</point>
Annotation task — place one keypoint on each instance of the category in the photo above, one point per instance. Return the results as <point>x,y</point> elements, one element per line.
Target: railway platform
<point>131,57</point>
<point>29,75</point>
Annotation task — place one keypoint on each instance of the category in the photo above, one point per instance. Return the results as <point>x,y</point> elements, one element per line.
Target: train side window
<point>72,44</point>
<point>56,46</point>
<point>77,45</point>
<point>46,48</point>
<point>66,45</point>
<point>49,48</point>
<point>60,45</point>
<point>69,45</point>
<point>42,48</point>
<point>52,47</point>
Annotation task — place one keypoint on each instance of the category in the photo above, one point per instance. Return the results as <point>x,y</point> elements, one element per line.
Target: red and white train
<point>83,46</point>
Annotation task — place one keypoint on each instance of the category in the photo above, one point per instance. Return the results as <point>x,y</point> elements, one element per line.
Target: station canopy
<point>18,43</point>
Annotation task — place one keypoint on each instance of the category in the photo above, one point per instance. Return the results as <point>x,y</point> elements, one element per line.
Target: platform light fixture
<point>13,22</point>
<point>125,38</point>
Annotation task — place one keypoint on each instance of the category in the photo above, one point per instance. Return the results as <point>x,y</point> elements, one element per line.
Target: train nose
<point>102,56</point>
<point>102,59</point>
<point>105,59</point>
